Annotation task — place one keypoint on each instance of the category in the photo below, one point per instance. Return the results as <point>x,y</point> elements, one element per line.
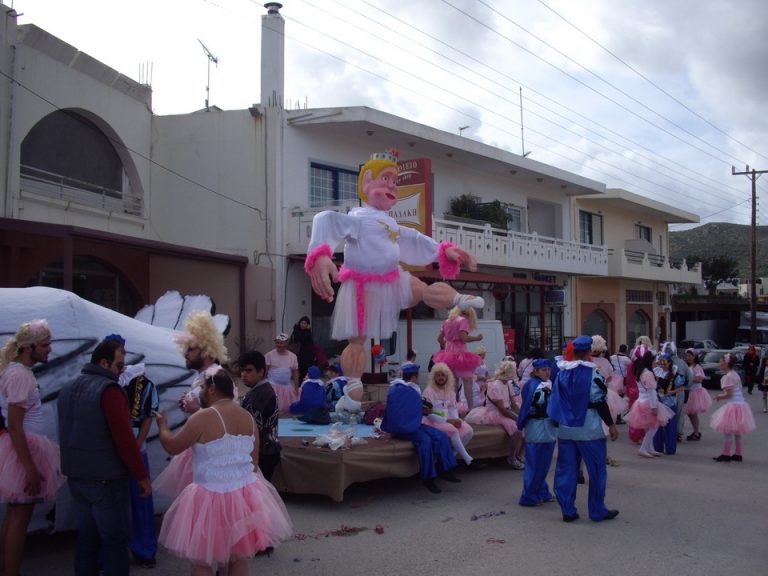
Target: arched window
<point>638,324</point>
<point>598,322</point>
<point>66,156</point>
<point>95,281</point>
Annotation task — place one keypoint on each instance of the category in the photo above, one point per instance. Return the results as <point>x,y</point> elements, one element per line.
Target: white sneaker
<point>464,301</point>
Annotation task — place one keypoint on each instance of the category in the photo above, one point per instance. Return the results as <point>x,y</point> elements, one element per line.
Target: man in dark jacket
<point>98,454</point>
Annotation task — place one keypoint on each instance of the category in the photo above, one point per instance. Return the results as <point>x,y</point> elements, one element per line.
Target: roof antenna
<point>211,58</point>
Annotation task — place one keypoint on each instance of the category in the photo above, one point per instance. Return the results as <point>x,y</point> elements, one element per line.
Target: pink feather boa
<point>322,250</point>
<point>448,268</point>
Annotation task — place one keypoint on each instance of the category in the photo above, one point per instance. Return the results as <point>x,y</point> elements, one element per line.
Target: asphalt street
<point>683,515</point>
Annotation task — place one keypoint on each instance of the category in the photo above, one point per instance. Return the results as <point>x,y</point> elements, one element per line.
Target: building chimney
<point>272,56</point>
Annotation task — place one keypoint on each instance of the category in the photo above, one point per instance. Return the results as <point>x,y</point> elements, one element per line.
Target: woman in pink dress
<point>283,373</point>
<point>29,462</point>
<point>699,400</point>
<point>454,335</point>
<point>229,512</point>
<point>447,410</point>
<point>616,404</point>
<point>647,413</point>
<point>735,418</point>
<point>500,409</point>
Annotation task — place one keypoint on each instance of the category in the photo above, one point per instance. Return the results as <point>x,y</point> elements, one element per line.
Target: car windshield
<point>712,357</point>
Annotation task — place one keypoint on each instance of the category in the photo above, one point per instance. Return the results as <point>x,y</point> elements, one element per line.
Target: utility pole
<point>753,175</point>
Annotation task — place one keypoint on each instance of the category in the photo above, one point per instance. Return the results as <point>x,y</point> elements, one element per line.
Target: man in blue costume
<point>578,405</point>
<point>402,419</point>
<point>540,435</point>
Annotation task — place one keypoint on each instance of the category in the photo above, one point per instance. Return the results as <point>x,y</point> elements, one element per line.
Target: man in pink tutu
<point>29,462</point>
<point>98,454</point>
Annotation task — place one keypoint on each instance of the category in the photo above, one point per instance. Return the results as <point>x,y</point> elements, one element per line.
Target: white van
<point>744,331</point>
<point>425,344</point>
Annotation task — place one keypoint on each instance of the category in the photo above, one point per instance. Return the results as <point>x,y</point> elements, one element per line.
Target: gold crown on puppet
<point>390,155</point>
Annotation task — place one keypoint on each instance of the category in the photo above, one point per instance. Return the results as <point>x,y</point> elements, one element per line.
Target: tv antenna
<point>211,58</point>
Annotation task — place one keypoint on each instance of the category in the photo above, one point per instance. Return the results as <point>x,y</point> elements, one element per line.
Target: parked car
<point>710,362</point>
<point>698,345</point>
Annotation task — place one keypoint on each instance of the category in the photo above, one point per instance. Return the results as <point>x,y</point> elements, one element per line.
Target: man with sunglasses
<point>98,454</point>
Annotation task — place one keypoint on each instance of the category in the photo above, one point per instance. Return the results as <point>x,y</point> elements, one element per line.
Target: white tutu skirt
<point>733,418</point>
<point>641,415</point>
<point>616,383</point>
<point>699,401</point>
<point>13,477</point>
<point>215,527</point>
<point>383,302</point>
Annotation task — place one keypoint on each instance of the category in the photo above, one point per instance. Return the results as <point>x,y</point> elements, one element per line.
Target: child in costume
<point>500,409</point>
<point>647,413</point>
<point>311,393</point>
<point>540,435</point>
<point>374,288</point>
<point>446,412</point>
<point>453,338</point>
<point>735,418</point>
<point>334,388</point>
<point>480,380</point>
<point>669,384</point>
<point>699,400</point>
<point>229,512</point>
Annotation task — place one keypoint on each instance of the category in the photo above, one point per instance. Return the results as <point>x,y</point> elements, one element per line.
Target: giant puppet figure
<point>374,288</point>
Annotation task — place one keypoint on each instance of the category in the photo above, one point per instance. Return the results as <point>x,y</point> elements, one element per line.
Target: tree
<point>715,270</point>
<point>470,206</point>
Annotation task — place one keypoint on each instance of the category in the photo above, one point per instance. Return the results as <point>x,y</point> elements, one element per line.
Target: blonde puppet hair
<point>450,385</point>
<point>469,313</point>
<point>201,332</point>
<point>375,164</point>
<point>28,334</point>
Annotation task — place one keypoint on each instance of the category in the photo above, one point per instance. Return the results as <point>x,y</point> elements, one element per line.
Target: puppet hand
<point>456,254</point>
<point>323,273</point>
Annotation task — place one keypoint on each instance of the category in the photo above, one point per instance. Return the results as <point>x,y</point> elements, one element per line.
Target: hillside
<point>722,239</point>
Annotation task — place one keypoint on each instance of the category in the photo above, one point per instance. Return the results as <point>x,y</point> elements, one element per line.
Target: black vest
<point>87,448</point>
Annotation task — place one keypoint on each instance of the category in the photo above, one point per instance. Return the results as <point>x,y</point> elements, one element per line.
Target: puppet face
<point>381,192</point>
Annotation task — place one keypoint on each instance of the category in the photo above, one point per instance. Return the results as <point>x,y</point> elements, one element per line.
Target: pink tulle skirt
<point>642,417</point>
<point>485,415</point>
<point>45,455</point>
<point>616,404</point>
<point>699,401</point>
<point>176,476</point>
<point>286,395</point>
<point>208,527</point>
<point>733,418</point>
<point>462,364</point>
<point>616,383</point>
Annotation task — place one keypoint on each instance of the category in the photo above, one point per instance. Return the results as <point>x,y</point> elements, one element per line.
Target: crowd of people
<point>227,450</point>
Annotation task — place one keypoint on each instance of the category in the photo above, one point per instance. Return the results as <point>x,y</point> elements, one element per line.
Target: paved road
<point>682,515</point>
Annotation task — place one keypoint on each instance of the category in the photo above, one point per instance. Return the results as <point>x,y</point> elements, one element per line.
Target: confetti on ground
<point>495,541</point>
<point>487,515</point>
<point>379,529</point>
<point>343,530</point>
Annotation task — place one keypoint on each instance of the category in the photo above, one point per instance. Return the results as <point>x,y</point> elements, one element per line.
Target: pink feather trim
<point>361,279</point>
<point>322,250</point>
<point>448,268</point>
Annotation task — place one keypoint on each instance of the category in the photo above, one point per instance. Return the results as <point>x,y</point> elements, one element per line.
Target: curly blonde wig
<point>450,384</point>
<point>469,313</point>
<point>28,334</point>
<point>201,332</point>
<point>506,370</point>
<point>599,344</point>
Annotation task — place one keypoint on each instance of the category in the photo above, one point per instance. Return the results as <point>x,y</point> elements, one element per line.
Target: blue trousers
<point>538,458</point>
<point>594,454</point>
<point>431,443</point>
<point>143,535</point>
<point>103,516</point>
<point>665,439</point>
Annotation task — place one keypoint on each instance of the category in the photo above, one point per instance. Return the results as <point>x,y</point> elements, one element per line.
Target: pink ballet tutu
<point>616,404</point>
<point>733,418</point>
<point>286,395</point>
<point>208,527</point>
<point>45,455</point>
<point>490,416</point>
<point>642,417</point>
<point>176,476</point>
<point>462,364</point>
<point>616,383</point>
<point>699,401</point>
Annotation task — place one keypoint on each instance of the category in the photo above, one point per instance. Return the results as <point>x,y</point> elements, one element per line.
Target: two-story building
<point>634,299</point>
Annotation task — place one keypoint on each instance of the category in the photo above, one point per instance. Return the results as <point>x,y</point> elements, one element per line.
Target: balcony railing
<point>491,246</point>
<point>634,264</point>
<point>69,189</point>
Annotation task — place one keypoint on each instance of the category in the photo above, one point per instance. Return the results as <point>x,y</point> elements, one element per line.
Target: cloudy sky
<point>656,96</point>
